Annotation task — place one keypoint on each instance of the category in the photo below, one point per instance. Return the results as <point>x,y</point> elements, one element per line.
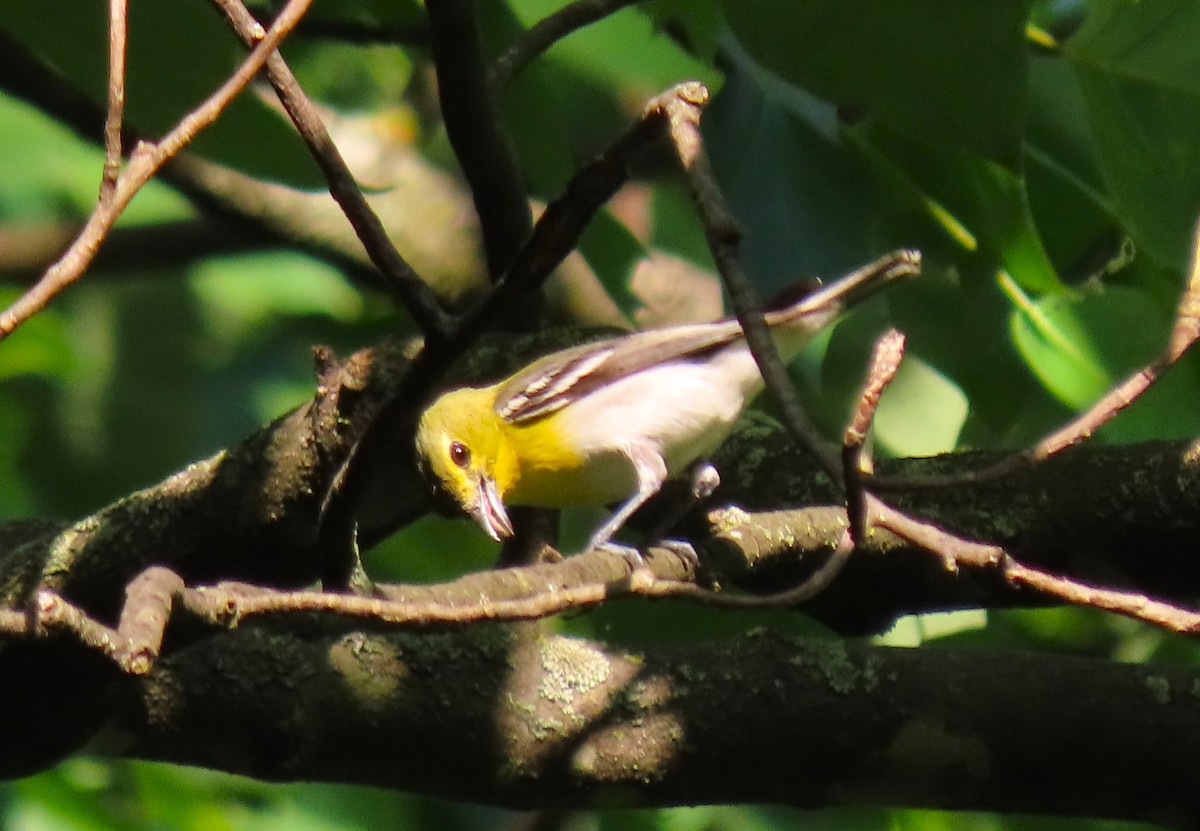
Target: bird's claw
<point>684,550</point>
<point>631,555</point>
<point>704,480</point>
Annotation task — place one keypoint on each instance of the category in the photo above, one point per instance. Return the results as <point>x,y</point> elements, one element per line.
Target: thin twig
<point>1184,333</point>
<point>559,227</point>
<point>1130,604</point>
<point>144,161</point>
<point>956,551</point>
<point>56,614</point>
<point>477,133</point>
<point>953,550</point>
<point>410,289</point>
<point>724,238</point>
<point>118,32</point>
<point>545,33</point>
<point>856,463</point>
<point>813,585</point>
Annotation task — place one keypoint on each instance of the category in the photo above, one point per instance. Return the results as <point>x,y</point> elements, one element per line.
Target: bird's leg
<point>651,471</point>
<point>703,480</point>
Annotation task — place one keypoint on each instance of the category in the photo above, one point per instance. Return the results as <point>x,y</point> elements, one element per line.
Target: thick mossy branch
<point>1123,517</point>
<point>510,715</point>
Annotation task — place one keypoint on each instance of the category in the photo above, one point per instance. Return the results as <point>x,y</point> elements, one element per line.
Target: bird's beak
<point>488,510</point>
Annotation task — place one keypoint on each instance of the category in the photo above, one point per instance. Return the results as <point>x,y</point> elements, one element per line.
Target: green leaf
<point>37,347</point>
<point>179,53</point>
<point>699,23</point>
<point>1079,346</point>
<point>921,413</point>
<point>573,100</point>
<point>950,72</point>
<point>913,630</point>
<point>1138,71</point>
<point>1146,139</point>
<point>800,193</point>
<point>979,204</point>
<point>239,295</point>
<point>1050,335</point>
<point>1148,40</point>
<point>1068,197</point>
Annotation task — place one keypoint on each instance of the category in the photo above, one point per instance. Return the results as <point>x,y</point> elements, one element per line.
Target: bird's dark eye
<point>460,454</point>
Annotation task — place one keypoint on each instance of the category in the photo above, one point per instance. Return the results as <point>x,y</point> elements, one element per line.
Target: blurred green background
<point>1044,156</point>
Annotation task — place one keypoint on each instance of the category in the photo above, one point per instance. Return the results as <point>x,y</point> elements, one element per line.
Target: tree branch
<point>412,291</point>
<point>547,32</point>
<point>477,133</point>
<point>511,716</point>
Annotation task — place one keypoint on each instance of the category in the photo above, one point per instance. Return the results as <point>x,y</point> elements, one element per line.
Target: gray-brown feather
<point>549,384</point>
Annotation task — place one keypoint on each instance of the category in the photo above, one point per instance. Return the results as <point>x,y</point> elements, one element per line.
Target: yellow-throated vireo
<point>611,420</point>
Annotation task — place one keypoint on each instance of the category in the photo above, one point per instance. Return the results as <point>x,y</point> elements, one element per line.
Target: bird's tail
<point>829,300</point>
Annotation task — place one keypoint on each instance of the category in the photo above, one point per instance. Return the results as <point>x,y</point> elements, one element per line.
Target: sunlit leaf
<point>650,60</point>
<point>921,413</point>
<point>1055,344</point>
<point>981,205</point>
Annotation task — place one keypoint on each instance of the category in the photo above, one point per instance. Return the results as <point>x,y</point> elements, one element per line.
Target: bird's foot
<point>704,480</point>
<point>684,550</point>
<point>631,555</point>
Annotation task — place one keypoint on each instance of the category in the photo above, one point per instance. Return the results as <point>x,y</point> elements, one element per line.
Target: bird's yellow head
<point>462,448</point>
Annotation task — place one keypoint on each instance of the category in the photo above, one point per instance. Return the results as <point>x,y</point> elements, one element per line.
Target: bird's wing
<point>549,384</point>
<point>553,382</point>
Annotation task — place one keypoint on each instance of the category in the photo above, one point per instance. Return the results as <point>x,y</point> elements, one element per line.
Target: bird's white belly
<point>685,409</point>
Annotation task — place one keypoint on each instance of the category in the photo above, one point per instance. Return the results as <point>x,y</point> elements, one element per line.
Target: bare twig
<point>412,291</point>
<point>805,591</point>
<point>145,160</point>
<point>953,550</point>
<point>118,32</point>
<point>1130,604</point>
<point>477,133</point>
<point>856,464</point>
<point>136,642</point>
<point>724,238</point>
<point>547,32</point>
<point>558,228</point>
<point>1184,333</point>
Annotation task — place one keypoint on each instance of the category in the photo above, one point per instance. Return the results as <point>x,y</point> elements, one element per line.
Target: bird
<point>610,421</point>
